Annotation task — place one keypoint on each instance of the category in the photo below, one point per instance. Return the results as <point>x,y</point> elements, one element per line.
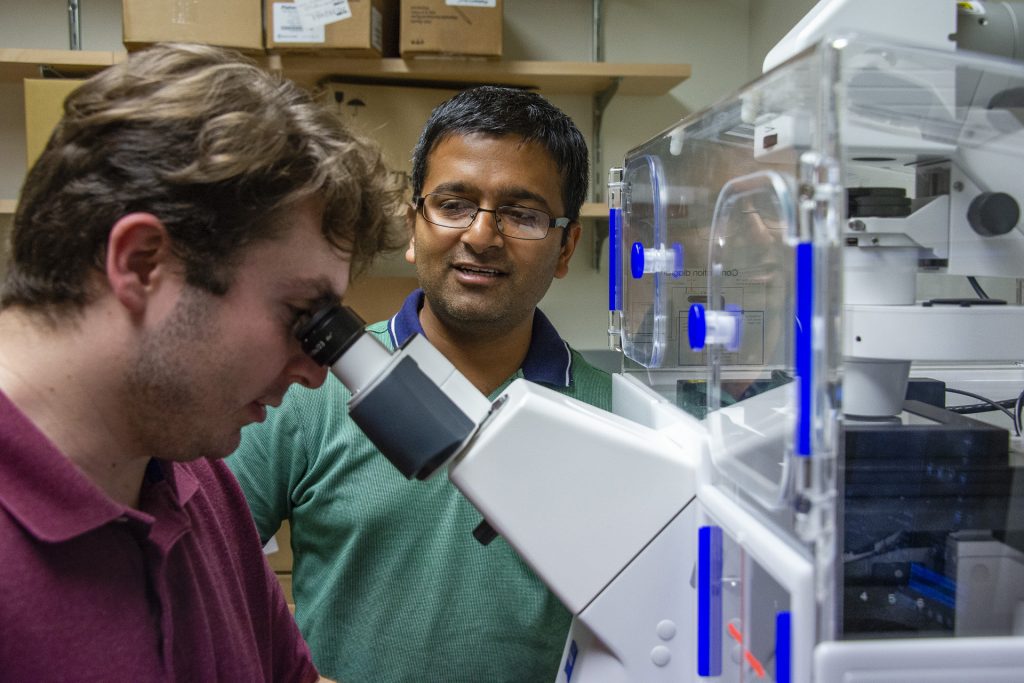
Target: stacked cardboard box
<point>368,28</point>
<point>229,23</point>
<point>44,107</point>
<point>469,28</point>
<point>362,28</point>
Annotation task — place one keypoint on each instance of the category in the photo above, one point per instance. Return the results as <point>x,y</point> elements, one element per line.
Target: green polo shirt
<point>389,583</point>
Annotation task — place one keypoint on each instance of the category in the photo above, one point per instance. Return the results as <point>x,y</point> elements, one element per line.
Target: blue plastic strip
<point>783,655</point>
<point>932,593</point>
<point>804,346</point>
<point>919,572</point>
<point>709,601</point>
<point>570,660</point>
<point>932,585</point>
<point>614,259</point>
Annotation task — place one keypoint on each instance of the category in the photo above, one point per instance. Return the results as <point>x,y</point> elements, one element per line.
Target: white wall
<point>44,24</point>
<point>723,40</point>
<point>769,21</point>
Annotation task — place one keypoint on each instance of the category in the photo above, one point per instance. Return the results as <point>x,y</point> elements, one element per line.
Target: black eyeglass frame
<point>560,222</point>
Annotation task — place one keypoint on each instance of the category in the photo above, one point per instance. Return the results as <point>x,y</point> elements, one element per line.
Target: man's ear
<point>410,221</point>
<point>138,249</point>
<point>572,239</point>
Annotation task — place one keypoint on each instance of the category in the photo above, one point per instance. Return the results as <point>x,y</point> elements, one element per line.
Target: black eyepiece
<point>329,333</point>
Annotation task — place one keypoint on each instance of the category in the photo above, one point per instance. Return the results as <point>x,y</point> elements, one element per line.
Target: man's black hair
<point>499,111</point>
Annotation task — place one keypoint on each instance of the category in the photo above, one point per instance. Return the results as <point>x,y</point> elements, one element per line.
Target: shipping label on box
<point>323,12</point>
<point>352,28</point>
<point>471,28</point>
<point>286,25</point>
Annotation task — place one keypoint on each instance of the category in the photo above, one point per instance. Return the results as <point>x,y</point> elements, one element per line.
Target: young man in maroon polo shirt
<point>187,213</point>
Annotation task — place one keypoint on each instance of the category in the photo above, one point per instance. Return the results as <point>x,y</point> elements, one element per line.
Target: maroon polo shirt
<point>91,590</point>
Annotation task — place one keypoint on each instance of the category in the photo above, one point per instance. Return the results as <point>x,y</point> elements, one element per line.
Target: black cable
<point>884,545</point>
<point>1013,419</point>
<point>977,288</point>
<point>1017,409</point>
<point>973,408</point>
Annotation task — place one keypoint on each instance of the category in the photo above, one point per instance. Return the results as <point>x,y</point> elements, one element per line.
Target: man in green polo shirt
<point>389,583</point>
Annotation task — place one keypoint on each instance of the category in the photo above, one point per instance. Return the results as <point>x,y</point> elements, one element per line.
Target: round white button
<point>661,655</point>
<point>666,629</point>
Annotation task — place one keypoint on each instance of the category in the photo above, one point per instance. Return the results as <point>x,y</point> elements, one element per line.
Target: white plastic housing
<point>576,490</point>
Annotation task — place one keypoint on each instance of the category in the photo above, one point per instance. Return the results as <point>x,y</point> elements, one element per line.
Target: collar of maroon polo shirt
<point>51,498</point>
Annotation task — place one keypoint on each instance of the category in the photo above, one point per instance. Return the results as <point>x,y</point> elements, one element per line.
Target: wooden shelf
<point>17,63</point>
<point>589,209</point>
<point>560,77</point>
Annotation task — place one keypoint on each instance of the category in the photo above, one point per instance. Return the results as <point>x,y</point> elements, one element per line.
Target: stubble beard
<point>466,314</point>
<point>162,387</point>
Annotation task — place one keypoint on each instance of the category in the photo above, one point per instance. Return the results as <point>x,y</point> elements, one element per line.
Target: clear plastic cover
<point>819,211</point>
<point>751,274</point>
<point>644,324</point>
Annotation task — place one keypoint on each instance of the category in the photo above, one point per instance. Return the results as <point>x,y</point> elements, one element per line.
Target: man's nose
<point>305,371</point>
<point>483,232</point>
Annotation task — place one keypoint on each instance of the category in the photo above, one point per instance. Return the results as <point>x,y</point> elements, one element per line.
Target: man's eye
<point>456,208</point>
<point>522,217</point>
<point>298,317</point>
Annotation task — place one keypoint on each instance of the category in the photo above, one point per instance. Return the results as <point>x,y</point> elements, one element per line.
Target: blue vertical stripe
<point>614,259</point>
<point>783,633</point>
<point>570,660</point>
<point>804,346</point>
<point>709,601</point>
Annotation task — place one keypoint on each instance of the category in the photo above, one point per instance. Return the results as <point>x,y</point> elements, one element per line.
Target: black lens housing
<point>329,333</point>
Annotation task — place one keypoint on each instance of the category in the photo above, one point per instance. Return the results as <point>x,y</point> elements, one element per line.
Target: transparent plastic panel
<point>933,540</point>
<point>685,167</point>
<point>932,151</point>
<point>644,335</point>
<point>811,208</point>
<point>751,278</point>
<point>738,241</point>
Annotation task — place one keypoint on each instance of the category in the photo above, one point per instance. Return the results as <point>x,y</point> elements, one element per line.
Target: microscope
<point>785,489</point>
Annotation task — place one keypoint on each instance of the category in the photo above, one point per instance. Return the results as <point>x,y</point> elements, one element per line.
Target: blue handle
<point>804,346</point>
<point>709,601</point>
<point>636,260</point>
<point>697,327</point>
<point>783,656</point>
<point>614,259</point>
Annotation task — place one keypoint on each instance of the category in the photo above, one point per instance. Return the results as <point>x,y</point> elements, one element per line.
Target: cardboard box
<point>229,23</point>
<point>370,29</point>
<point>451,27</point>
<point>391,115</point>
<point>44,106</point>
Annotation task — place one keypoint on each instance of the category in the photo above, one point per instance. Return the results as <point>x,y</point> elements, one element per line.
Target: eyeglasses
<point>519,222</point>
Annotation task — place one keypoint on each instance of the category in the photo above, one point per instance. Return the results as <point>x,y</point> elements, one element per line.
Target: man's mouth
<point>257,411</point>
<point>477,271</point>
<point>258,408</point>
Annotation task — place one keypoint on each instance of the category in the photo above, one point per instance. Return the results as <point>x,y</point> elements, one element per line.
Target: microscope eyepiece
<point>330,332</point>
<point>401,405</point>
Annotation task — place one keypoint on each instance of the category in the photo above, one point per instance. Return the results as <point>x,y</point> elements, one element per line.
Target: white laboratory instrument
<point>782,493</point>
